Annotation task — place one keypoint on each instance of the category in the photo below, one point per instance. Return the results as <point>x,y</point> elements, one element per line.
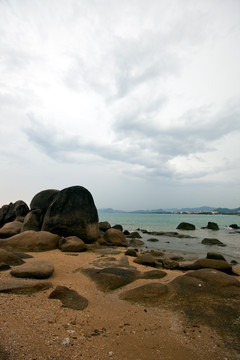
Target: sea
<point>189,248</point>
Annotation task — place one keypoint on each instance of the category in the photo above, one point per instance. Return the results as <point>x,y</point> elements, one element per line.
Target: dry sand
<point>37,328</point>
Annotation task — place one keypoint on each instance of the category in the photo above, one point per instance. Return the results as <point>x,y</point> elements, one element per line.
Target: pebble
<point>65,342</point>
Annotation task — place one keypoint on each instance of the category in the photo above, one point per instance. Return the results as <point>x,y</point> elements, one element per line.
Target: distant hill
<point>201,209</point>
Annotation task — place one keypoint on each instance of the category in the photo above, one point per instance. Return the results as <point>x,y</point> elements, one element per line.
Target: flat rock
<point>146,259</point>
<point>153,274</point>
<point>111,278</point>
<point>69,298</point>
<point>9,258</point>
<point>23,286</point>
<point>148,294</point>
<point>31,241</point>
<point>39,269</point>
<point>207,263</point>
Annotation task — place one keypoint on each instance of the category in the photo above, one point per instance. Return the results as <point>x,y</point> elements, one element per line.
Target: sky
<point>136,100</point>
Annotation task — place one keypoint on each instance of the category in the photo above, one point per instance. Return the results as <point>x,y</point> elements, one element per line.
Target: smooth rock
<point>220,265</point>
<point>210,241</point>
<point>115,237</point>
<point>31,241</point>
<point>72,244</point>
<point>39,269</point>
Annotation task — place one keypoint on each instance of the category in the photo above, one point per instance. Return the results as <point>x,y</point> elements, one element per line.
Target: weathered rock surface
<point>23,286</point>
<point>39,269</point>
<point>115,237</point>
<point>9,258</point>
<point>207,297</point>
<point>186,226</point>
<point>111,278</point>
<point>73,213</point>
<point>31,241</point>
<point>220,265</point>
<point>211,241</point>
<point>69,298</point>
<point>72,244</point>
<point>10,229</point>
<point>12,211</point>
<point>33,220</point>
<point>136,242</point>
<point>43,200</point>
<point>148,294</point>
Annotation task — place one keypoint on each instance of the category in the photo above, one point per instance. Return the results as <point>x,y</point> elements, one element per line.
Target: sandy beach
<point>38,328</point>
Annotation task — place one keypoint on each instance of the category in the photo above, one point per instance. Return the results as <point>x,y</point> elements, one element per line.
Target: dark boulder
<point>215,256</point>
<point>104,226</point>
<point>212,226</point>
<point>33,220</point>
<point>131,252</point>
<point>10,212</point>
<point>210,241</point>
<point>234,226</point>
<point>134,235</point>
<point>186,226</point>
<point>118,227</point>
<point>43,200</point>
<point>69,298</point>
<point>73,213</point>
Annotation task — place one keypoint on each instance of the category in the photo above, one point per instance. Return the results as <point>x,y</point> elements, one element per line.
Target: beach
<point>36,327</point>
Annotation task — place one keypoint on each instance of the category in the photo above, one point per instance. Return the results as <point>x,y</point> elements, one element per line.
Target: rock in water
<point>186,226</point>
<point>73,213</point>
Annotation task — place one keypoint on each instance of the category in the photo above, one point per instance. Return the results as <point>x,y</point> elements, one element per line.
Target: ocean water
<point>189,248</point>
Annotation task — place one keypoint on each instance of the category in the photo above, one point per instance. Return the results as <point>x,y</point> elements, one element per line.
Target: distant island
<point>203,210</point>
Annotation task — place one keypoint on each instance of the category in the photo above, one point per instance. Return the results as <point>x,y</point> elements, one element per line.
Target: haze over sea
<point>188,247</point>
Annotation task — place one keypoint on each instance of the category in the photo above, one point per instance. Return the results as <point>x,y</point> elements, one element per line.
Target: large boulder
<point>212,226</point>
<point>31,241</point>
<point>12,211</point>
<point>33,220</point>
<point>73,213</point>
<point>115,237</point>
<point>186,226</point>
<point>39,269</point>
<point>10,229</point>
<point>43,200</point>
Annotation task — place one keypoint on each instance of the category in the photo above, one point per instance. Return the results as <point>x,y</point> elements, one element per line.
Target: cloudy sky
<point>137,100</point>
